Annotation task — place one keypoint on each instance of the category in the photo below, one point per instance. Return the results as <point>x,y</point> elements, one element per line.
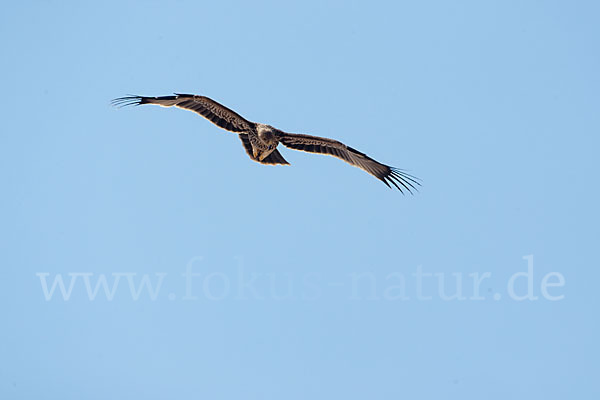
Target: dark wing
<point>315,144</point>
<point>274,158</point>
<point>208,108</point>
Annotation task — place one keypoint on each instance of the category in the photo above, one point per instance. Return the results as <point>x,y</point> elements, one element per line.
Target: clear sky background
<point>493,104</point>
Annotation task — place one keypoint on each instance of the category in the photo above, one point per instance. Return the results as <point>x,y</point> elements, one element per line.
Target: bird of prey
<point>260,140</point>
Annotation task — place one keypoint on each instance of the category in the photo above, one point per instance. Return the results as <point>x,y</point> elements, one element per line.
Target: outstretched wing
<point>211,110</point>
<point>385,173</point>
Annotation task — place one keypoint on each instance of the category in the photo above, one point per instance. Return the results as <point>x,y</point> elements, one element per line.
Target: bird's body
<point>264,141</point>
<point>260,140</point>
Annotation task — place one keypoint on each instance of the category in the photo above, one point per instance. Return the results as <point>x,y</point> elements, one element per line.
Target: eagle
<point>261,140</point>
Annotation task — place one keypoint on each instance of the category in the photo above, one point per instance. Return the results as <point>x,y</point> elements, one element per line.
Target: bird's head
<point>266,133</point>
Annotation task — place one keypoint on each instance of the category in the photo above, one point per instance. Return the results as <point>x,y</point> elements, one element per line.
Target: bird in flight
<point>260,140</point>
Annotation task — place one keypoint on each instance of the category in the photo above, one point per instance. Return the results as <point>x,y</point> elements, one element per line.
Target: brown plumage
<point>260,140</point>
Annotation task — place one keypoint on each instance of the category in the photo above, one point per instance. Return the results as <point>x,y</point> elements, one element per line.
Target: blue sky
<point>307,277</point>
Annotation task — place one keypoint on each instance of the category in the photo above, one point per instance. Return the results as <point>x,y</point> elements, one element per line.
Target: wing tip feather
<point>129,100</point>
<point>406,180</point>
